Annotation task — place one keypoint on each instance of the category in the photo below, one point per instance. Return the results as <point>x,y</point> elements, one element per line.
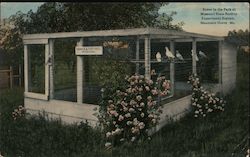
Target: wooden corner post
<point>137,57</point>
<point>26,68</point>
<point>80,72</point>
<point>46,69</point>
<point>147,54</point>
<point>194,68</point>
<point>220,66</point>
<point>172,67</point>
<point>51,69</point>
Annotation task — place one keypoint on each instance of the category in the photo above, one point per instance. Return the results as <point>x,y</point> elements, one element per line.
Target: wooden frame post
<point>51,69</point>
<point>26,68</point>
<point>20,75</point>
<point>147,54</point>
<point>46,70</point>
<point>220,43</point>
<point>137,57</point>
<point>80,72</point>
<point>194,68</point>
<point>11,77</point>
<point>172,68</point>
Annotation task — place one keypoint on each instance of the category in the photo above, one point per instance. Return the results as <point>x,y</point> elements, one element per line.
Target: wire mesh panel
<point>162,66</point>
<point>208,64</point>
<point>124,56</point>
<point>65,69</point>
<point>36,68</point>
<point>108,69</point>
<point>183,69</point>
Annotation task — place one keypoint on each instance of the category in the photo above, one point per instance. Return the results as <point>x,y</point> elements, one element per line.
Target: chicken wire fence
<point>122,56</point>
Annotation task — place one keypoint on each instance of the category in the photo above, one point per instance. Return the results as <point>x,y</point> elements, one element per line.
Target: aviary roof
<point>153,33</point>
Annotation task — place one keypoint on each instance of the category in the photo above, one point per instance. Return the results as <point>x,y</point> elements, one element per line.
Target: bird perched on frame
<point>179,56</point>
<point>196,57</point>
<point>158,57</point>
<point>202,54</point>
<point>169,54</point>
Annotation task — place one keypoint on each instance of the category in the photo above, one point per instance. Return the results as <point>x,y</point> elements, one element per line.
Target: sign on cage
<point>88,50</point>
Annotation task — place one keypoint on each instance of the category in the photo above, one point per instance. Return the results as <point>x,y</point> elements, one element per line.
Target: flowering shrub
<point>130,111</point>
<point>204,102</point>
<point>18,112</point>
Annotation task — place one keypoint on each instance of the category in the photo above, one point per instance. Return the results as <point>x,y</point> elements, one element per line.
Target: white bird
<point>196,57</point>
<point>158,57</point>
<point>179,56</point>
<point>169,54</point>
<point>202,54</point>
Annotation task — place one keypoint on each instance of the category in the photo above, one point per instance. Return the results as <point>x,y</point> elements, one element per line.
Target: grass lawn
<point>219,136</point>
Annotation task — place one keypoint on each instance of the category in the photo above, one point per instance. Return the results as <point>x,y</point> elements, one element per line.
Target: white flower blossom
<point>102,90</point>
<point>133,139</point>
<point>108,134</point>
<point>149,97</point>
<point>127,115</point>
<point>140,89</point>
<point>150,116</point>
<point>108,144</point>
<point>138,98</point>
<point>117,131</point>
<point>135,121</point>
<point>110,101</point>
<point>210,110</point>
<point>120,118</point>
<point>129,123</point>
<point>131,110</point>
<point>141,125</point>
<point>142,104</point>
<point>125,109</point>
<point>122,139</point>
<point>154,121</point>
<point>142,115</point>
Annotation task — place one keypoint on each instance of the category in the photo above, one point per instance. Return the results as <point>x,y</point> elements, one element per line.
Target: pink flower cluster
<point>204,102</point>
<point>134,110</point>
<point>18,112</point>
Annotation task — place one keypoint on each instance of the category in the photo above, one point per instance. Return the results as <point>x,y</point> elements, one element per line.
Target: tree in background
<point>67,17</point>
<point>238,38</point>
<point>11,46</point>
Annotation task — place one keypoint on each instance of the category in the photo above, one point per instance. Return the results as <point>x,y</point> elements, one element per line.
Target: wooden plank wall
<point>229,67</point>
<point>4,80</point>
<point>10,76</point>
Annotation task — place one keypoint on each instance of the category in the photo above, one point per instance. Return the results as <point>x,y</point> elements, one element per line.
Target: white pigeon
<point>179,56</point>
<point>169,54</point>
<point>202,54</point>
<point>196,57</point>
<point>158,57</point>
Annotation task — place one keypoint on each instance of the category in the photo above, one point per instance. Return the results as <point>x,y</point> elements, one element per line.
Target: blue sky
<point>189,13</point>
<point>10,8</point>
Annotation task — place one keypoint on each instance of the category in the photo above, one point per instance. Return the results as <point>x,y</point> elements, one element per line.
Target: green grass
<point>217,136</point>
